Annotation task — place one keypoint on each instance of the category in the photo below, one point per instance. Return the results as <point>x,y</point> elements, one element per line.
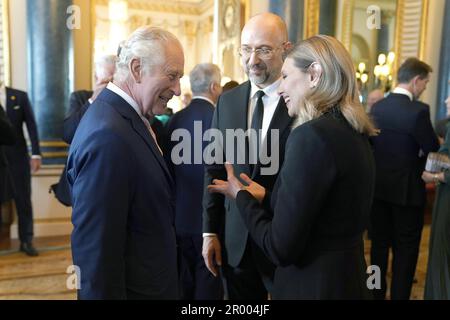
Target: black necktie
<point>257,120</point>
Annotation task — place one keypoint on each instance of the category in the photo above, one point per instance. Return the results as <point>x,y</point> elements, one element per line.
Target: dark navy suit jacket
<point>19,111</point>
<point>189,177</point>
<point>79,103</point>
<point>123,212</point>
<point>7,137</point>
<point>401,148</point>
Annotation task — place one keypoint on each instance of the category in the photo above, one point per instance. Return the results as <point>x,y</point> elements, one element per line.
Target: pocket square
<point>16,107</point>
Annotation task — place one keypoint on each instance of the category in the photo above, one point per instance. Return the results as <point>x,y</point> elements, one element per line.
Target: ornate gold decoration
<point>6,45</point>
<point>166,6</point>
<point>423,28</point>
<point>311,21</point>
<point>411,21</point>
<point>57,154</point>
<point>53,144</point>
<point>347,23</point>
<point>246,6</point>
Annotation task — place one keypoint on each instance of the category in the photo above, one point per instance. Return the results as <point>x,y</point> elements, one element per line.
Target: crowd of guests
<point>148,228</point>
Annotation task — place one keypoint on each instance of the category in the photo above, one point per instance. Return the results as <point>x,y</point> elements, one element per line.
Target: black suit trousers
<point>399,227</point>
<point>197,282</point>
<point>21,174</point>
<point>252,279</point>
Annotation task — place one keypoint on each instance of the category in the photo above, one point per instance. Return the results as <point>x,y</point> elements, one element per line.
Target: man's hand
<point>212,255</point>
<point>228,188</point>
<point>35,165</point>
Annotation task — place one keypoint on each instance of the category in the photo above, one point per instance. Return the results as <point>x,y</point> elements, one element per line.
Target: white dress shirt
<point>270,101</point>
<point>404,92</point>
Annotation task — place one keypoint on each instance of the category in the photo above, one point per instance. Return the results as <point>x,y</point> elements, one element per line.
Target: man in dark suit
<point>79,103</point>
<point>124,238</point>
<point>401,149</point>
<point>7,137</point>
<point>255,105</point>
<point>19,111</point>
<point>198,282</point>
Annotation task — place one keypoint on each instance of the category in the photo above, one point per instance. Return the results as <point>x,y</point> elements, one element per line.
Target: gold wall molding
<point>311,21</point>
<point>175,7</point>
<point>56,154</point>
<point>410,29</point>
<point>347,23</point>
<point>6,44</point>
<point>53,144</point>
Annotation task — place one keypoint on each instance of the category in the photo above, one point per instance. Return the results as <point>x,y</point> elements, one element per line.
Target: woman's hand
<point>432,177</point>
<point>232,186</point>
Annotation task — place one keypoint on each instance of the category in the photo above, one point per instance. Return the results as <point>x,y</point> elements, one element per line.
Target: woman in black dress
<point>311,225</point>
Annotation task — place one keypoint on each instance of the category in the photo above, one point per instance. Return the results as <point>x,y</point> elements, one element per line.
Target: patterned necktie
<point>152,133</point>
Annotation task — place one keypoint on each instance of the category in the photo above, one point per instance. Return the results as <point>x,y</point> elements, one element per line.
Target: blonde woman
<point>312,228</point>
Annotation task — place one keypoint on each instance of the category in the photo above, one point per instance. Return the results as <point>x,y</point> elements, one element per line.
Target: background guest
<point>437,285</point>
<point>198,283</point>
<point>401,149</point>
<point>19,111</point>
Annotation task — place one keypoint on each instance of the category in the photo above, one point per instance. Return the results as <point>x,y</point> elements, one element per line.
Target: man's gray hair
<point>102,63</point>
<point>202,76</point>
<point>146,44</point>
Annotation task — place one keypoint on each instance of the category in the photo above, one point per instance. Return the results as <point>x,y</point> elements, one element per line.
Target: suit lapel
<point>239,101</point>
<point>280,121</point>
<point>137,124</point>
<point>8,105</point>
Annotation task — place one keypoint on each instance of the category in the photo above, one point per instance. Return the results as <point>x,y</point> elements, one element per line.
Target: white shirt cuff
<point>36,156</point>
<point>209,235</point>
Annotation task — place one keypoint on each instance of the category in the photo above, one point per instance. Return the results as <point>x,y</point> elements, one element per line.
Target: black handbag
<point>61,190</point>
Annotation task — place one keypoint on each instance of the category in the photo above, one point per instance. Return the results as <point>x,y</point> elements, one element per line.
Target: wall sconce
<point>383,71</point>
<point>362,73</point>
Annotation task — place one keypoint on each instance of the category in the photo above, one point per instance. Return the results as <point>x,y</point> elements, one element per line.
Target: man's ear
<point>135,69</point>
<point>315,74</point>
<point>286,47</point>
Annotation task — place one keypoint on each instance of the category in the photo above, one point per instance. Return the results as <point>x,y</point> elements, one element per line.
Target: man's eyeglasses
<point>264,53</point>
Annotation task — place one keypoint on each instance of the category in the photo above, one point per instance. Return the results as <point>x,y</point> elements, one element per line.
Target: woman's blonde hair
<point>336,86</point>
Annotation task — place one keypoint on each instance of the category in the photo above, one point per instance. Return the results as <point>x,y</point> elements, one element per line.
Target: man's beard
<point>261,79</point>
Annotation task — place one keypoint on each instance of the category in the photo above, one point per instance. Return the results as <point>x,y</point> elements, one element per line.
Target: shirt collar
<point>114,88</point>
<point>270,91</point>
<point>204,98</point>
<point>403,91</point>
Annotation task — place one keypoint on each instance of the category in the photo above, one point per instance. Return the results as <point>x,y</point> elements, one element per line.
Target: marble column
<point>327,17</point>
<point>50,75</point>
<point>444,66</point>
<point>292,13</point>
